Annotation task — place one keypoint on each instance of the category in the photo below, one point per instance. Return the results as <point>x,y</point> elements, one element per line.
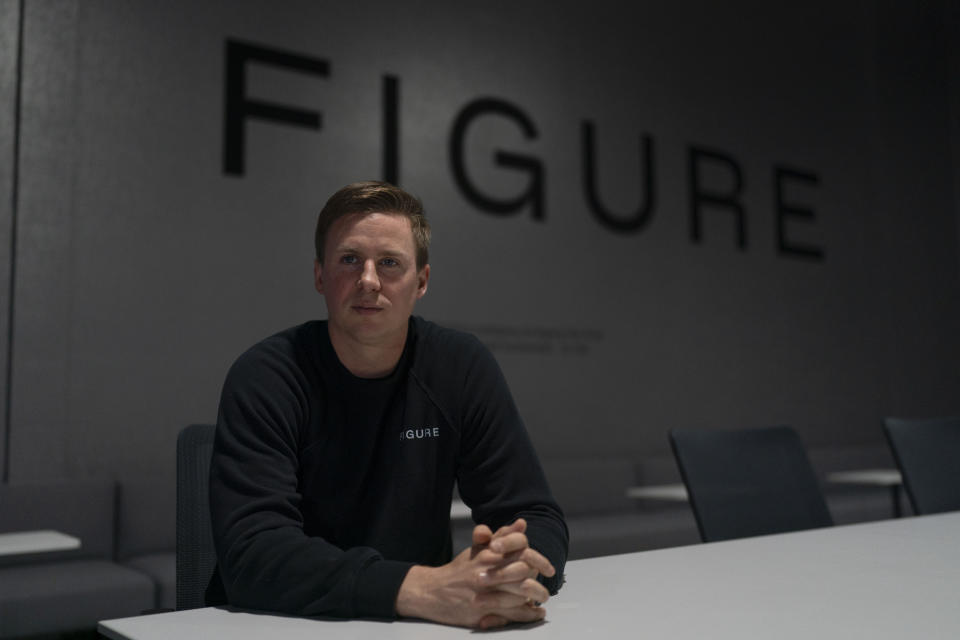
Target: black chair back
<point>749,482</point>
<point>928,454</point>
<point>196,557</point>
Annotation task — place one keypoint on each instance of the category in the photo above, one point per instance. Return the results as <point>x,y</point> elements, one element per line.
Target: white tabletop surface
<point>36,542</point>
<point>893,579</point>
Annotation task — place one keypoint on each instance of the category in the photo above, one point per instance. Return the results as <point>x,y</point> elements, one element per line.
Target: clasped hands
<point>491,584</point>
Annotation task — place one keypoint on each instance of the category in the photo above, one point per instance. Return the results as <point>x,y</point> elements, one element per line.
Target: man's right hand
<point>491,584</point>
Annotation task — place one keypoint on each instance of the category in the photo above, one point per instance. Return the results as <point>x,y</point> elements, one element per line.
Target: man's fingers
<point>513,572</point>
<point>487,557</point>
<point>529,589</point>
<point>511,542</point>
<point>523,613</point>
<point>497,599</point>
<point>481,538</point>
<point>481,535</point>
<point>538,561</point>
<point>517,526</point>
<point>492,621</point>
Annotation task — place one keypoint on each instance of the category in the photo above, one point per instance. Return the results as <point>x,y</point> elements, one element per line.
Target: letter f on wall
<point>238,107</point>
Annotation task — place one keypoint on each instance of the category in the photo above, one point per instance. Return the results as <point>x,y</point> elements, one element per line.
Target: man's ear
<point>423,277</point>
<point>317,275</point>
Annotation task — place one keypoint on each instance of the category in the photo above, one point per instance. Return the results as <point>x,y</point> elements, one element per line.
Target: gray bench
<point>65,590</point>
<point>146,533</point>
<point>601,518</point>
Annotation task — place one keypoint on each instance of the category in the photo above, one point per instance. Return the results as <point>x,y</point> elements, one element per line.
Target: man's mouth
<point>366,309</point>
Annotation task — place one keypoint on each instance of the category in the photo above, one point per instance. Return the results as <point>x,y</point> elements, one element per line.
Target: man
<point>338,444</point>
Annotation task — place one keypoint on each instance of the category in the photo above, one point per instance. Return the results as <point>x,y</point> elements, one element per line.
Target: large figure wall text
<point>793,188</point>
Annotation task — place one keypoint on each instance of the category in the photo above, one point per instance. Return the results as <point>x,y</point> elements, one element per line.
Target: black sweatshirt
<point>326,488</point>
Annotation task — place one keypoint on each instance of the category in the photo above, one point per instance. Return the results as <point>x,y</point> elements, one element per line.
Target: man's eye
<point>349,259</point>
<point>389,262</point>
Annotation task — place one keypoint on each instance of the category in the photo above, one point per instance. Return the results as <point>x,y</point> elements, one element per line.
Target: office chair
<point>748,482</point>
<point>196,557</point>
<point>928,454</point>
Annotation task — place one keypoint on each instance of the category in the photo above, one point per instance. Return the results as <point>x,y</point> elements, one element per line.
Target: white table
<point>893,579</point>
<point>36,542</point>
<point>890,478</point>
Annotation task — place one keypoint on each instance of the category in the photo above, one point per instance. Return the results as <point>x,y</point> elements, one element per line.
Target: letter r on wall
<point>729,199</point>
<point>238,107</point>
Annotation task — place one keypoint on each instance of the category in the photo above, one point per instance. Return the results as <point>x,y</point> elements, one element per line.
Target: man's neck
<point>368,360</point>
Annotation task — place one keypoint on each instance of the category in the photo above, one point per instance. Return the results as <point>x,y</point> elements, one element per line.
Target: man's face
<point>369,278</point>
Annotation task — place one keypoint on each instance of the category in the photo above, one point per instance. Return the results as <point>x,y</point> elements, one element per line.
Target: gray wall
<point>911,171</point>
<point>9,12</point>
<point>143,269</point>
<point>953,83</point>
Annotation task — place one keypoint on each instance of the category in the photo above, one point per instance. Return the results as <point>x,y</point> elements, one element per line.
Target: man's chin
<point>372,328</point>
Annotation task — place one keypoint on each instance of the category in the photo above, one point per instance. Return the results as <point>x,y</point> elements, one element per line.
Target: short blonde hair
<point>375,197</point>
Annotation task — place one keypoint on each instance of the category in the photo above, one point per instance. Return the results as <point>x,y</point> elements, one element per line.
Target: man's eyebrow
<point>388,252</point>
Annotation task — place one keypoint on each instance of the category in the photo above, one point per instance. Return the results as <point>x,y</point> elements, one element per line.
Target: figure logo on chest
<point>419,433</point>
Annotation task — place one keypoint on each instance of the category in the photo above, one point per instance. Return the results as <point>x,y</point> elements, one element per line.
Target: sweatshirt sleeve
<point>500,477</point>
<point>265,559</point>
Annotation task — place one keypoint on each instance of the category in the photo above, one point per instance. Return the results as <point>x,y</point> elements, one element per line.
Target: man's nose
<point>369,279</point>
